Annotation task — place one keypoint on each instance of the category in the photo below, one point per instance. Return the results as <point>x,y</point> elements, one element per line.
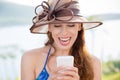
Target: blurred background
<point>15,37</point>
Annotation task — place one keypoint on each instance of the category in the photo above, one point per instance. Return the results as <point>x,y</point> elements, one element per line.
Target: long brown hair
<point>82,59</point>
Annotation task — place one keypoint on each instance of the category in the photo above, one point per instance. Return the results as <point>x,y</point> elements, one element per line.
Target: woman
<point>62,22</point>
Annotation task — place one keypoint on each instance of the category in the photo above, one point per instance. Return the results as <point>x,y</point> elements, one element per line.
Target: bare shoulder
<point>95,60</point>
<point>31,54</point>
<point>29,57</point>
<point>35,53</point>
<point>96,63</point>
<point>97,68</point>
<point>30,60</point>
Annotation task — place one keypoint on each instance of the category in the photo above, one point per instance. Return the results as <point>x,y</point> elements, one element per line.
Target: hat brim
<point>42,27</point>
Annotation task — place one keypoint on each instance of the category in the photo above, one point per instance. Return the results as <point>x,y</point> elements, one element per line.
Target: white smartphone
<point>65,61</point>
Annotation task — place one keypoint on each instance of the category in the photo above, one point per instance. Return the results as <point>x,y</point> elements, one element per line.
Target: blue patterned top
<point>44,74</point>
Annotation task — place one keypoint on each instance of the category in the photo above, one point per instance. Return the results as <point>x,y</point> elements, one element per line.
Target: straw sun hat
<point>59,11</point>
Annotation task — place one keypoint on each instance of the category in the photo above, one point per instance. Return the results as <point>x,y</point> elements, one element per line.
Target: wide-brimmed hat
<point>59,11</point>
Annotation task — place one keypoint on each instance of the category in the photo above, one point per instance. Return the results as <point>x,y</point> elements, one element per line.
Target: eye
<point>71,25</point>
<point>57,25</point>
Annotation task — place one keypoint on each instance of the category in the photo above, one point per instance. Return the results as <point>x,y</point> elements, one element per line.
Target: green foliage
<point>3,56</point>
<point>111,70</point>
<point>10,51</point>
<point>113,76</point>
<point>111,67</point>
<point>117,64</point>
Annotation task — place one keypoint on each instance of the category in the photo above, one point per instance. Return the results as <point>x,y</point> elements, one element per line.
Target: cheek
<point>74,31</point>
<point>55,34</point>
<point>74,34</point>
<point>52,30</point>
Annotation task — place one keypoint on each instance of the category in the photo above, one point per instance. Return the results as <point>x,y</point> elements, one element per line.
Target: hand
<point>65,73</point>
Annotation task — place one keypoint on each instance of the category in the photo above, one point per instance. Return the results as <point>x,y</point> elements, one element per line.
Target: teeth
<point>64,39</point>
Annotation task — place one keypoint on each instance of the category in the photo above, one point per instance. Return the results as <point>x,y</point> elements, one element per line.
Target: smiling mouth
<point>64,41</point>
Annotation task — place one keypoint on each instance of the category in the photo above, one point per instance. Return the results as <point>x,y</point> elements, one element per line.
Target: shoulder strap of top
<point>47,57</point>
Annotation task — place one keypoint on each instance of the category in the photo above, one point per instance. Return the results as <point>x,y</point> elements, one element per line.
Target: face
<point>64,34</point>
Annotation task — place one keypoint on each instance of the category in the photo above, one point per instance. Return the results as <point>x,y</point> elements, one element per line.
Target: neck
<point>62,52</point>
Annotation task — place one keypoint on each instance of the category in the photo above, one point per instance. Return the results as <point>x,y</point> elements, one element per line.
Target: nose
<point>64,31</point>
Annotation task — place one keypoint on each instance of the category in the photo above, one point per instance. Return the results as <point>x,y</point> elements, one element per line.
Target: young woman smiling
<point>64,26</point>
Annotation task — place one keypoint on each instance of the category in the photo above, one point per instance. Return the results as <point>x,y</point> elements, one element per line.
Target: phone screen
<point>65,61</point>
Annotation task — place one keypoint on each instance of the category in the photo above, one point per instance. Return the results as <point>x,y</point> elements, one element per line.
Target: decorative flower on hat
<point>50,15</point>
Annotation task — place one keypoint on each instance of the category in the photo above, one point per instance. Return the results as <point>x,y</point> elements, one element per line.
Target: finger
<point>65,78</point>
<point>75,69</point>
<point>55,73</point>
<point>69,73</point>
<point>59,68</point>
